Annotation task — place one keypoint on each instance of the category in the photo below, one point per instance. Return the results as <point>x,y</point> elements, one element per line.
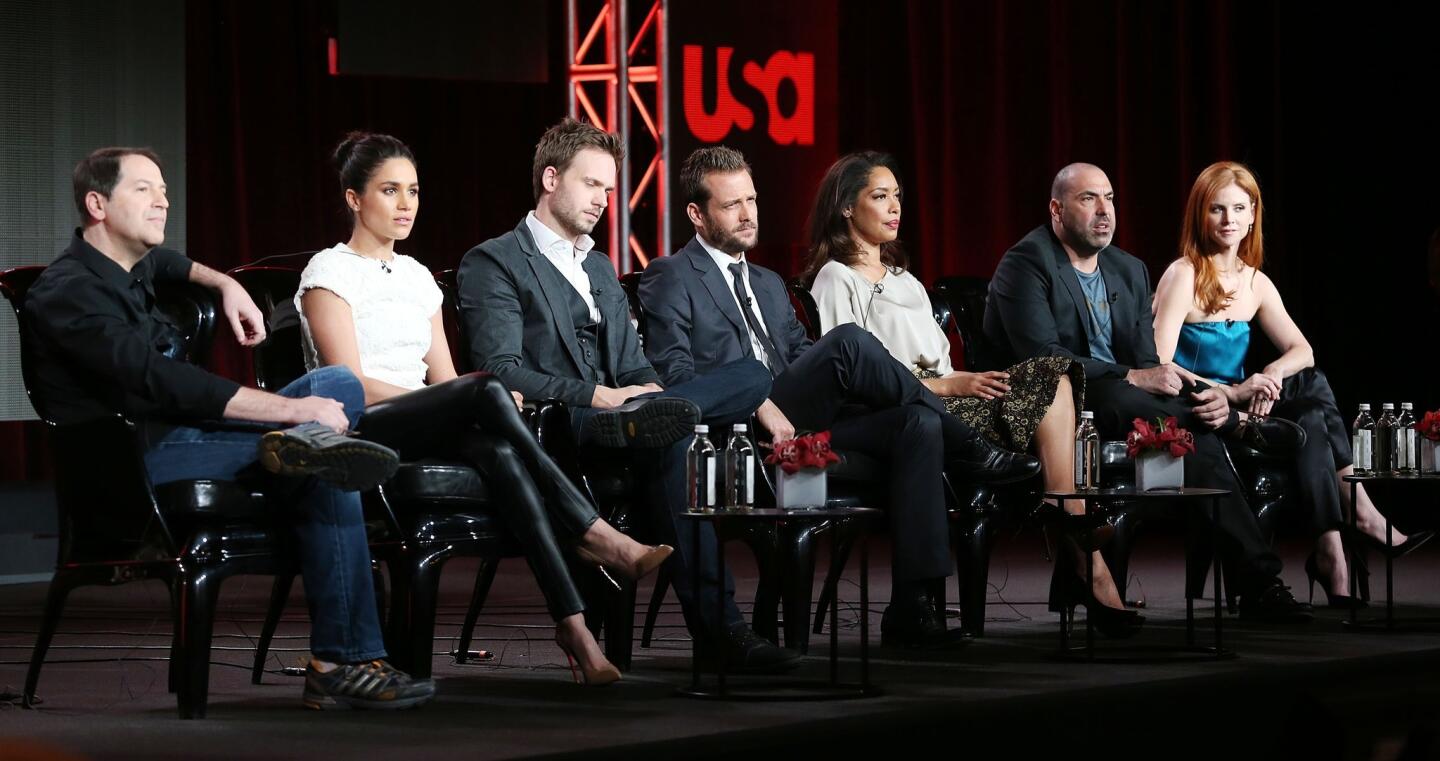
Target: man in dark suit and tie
<point>1063,290</point>
<point>545,312</point>
<point>707,306</point>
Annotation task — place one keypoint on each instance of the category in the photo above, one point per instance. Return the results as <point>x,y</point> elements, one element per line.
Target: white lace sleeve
<point>333,271</point>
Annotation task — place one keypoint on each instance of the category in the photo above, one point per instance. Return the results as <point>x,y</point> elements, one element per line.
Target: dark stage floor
<point>1316,692</point>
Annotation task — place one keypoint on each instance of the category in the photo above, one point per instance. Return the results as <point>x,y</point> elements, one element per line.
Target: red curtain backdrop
<point>982,101</point>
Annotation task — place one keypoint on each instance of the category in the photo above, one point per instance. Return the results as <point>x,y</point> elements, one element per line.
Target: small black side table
<point>1185,494</point>
<point>847,520</point>
<point>1426,481</point>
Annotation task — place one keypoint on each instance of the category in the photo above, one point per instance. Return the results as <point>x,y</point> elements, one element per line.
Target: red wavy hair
<point>1196,246</point>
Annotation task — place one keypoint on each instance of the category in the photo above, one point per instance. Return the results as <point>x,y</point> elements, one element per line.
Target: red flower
<point>1429,426</point>
<point>1165,436</point>
<point>810,451</point>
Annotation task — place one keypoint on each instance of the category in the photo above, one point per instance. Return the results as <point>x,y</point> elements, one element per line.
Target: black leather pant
<point>1307,401</point>
<point>474,418</point>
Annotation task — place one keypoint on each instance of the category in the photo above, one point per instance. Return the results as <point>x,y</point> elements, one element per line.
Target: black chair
<point>1267,479</point>
<point>430,511</point>
<point>117,527</point>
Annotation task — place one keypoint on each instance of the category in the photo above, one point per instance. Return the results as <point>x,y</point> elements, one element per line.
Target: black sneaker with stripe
<point>317,450</point>
<point>373,685</point>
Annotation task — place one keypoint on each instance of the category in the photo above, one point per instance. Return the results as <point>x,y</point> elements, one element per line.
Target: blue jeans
<point>730,394</point>
<point>334,549</point>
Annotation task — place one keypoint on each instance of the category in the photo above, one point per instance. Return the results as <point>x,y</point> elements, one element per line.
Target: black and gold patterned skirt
<point>1011,422</point>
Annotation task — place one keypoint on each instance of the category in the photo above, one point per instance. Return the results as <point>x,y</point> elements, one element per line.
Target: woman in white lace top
<point>378,312</point>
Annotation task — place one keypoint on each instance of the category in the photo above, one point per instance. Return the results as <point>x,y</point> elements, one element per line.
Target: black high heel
<point>1411,543</point>
<point>1115,623</point>
<point>1312,572</point>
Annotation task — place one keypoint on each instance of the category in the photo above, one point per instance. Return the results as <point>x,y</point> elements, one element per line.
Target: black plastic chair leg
<point>973,542</point>
<point>419,644</point>
<point>54,604</point>
<point>198,610</point>
<point>657,600</point>
<point>832,582</point>
<point>620,626</point>
<point>484,577</point>
<point>799,580</point>
<point>279,595</point>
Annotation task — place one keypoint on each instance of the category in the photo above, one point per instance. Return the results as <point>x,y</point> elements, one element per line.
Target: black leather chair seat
<point>211,498</point>
<point>231,540</point>
<point>437,482</point>
<point>449,527</point>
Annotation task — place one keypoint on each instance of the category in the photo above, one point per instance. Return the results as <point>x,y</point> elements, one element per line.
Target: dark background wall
<point>981,101</point>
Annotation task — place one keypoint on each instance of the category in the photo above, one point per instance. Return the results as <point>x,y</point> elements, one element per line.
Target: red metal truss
<point>617,75</point>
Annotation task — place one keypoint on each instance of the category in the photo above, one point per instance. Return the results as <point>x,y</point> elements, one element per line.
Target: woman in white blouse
<point>859,276</point>
<point>378,312</point>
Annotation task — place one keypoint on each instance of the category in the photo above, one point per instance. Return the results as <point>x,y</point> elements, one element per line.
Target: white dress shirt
<point>567,257</point>
<point>723,261</point>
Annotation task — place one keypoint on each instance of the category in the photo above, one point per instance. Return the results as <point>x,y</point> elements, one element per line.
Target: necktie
<point>777,362</point>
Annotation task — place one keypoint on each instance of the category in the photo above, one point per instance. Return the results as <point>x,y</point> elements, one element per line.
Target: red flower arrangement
<point>1165,436</point>
<point>1429,426</point>
<point>809,451</point>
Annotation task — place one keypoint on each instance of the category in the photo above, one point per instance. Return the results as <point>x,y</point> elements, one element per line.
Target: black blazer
<point>1036,308</point>
<point>692,324</point>
<point>513,302</point>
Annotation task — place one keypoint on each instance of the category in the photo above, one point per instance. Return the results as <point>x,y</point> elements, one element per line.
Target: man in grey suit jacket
<point>545,313</point>
<point>707,306</point>
<point>1063,290</point>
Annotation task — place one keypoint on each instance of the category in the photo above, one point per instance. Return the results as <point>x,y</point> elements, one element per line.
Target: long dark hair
<point>360,154</point>
<point>830,237</point>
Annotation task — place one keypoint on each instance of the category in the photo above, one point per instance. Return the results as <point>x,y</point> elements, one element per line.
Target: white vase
<point>1158,470</point>
<point>1429,456</point>
<point>800,490</point>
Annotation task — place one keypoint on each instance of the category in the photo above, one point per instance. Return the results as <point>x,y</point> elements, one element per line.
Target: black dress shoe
<point>917,625</point>
<point>748,653</point>
<point>645,423</point>
<point>1275,605</point>
<point>1271,435</point>
<point>979,460</point>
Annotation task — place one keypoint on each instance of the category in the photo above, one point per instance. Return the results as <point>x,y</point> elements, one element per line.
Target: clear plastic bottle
<point>1407,442</point>
<point>739,470</point>
<point>1384,461</point>
<point>1362,442</point>
<point>700,472</point>
<point>1087,453</point>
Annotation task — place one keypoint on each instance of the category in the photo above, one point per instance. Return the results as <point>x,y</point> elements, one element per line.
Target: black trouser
<point>474,418</point>
<point>1307,401</point>
<point>1117,403</point>
<point>848,383</point>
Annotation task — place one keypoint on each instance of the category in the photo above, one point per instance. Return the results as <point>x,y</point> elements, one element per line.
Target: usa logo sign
<point>798,68</point>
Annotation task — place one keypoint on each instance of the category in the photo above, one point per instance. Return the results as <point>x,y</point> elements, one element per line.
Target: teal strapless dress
<point>1214,350</point>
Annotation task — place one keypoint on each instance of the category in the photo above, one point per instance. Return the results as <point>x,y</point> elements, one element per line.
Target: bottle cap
<point>1365,406</point>
<point>741,428</point>
<point>1087,415</point>
<point>1387,406</point>
<point>702,428</point>
<point>1407,406</point>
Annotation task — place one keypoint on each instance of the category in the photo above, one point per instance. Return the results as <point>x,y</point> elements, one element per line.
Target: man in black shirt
<point>98,346</point>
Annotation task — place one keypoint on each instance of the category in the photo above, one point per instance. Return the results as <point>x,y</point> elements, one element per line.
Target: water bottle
<point>1362,442</point>
<point>1407,444</point>
<point>1383,463</point>
<point>739,470</point>
<point>700,472</point>
<point>1087,453</point>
